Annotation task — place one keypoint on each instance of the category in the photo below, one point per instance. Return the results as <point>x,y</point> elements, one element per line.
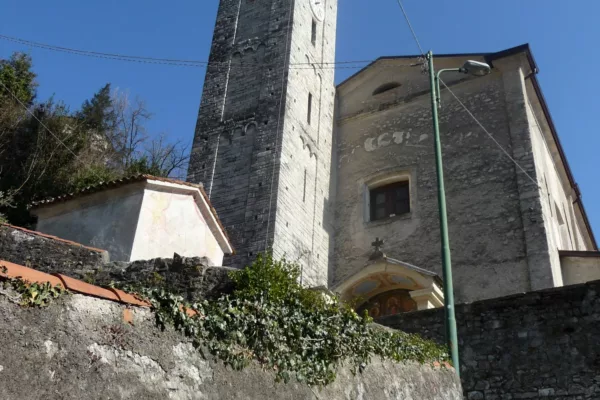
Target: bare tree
<point>134,149</point>
<point>129,132</point>
<point>170,159</point>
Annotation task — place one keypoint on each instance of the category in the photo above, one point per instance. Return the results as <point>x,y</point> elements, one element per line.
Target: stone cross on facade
<point>378,243</point>
<point>377,253</point>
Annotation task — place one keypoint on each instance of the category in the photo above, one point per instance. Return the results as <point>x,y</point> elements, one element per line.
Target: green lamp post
<point>473,68</point>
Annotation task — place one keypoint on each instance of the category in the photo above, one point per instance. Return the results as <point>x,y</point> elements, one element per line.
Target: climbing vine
<point>34,294</point>
<point>295,332</point>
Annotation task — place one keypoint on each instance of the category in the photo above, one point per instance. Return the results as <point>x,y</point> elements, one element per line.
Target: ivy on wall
<point>32,294</point>
<point>296,332</point>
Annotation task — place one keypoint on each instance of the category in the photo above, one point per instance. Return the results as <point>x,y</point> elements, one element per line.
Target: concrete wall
<point>106,219</point>
<point>535,345</point>
<point>579,267</point>
<point>267,171</point>
<point>389,135</point>
<point>80,347</point>
<point>171,223</point>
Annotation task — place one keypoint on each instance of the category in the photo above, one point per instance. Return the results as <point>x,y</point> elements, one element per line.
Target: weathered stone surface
<point>541,344</point>
<point>190,277</point>
<point>80,348</point>
<point>265,163</point>
<point>47,253</point>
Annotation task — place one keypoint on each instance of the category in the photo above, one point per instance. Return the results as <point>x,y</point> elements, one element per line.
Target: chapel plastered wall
<point>580,268</point>
<point>393,136</point>
<point>171,223</point>
<point>106,220</point>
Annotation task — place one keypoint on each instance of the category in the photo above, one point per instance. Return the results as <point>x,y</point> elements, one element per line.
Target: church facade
<point>316,172</point>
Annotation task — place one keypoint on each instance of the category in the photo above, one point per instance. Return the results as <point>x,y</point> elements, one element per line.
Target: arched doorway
<point>386,286</point>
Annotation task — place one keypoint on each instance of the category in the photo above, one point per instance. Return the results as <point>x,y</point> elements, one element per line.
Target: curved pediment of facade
<point>384,274</point>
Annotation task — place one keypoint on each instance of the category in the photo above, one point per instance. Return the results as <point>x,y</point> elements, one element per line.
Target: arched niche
<point>387,275</point>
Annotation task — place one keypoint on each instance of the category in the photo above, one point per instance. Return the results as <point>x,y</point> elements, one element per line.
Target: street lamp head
<point>475,68</point>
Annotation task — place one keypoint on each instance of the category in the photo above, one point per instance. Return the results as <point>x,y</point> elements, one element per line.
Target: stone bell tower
<point>263,140</point>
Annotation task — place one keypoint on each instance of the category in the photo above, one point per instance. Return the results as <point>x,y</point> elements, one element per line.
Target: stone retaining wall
<point>79,347</point>
<point>47,253</point>
<point>543,344</point>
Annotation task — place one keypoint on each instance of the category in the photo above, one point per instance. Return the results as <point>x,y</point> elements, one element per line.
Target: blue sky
<point>563,36</point>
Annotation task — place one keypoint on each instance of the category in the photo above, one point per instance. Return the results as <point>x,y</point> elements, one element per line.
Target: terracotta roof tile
<point>30,275</point>
<point>109,185</point>
<point>10,270</point>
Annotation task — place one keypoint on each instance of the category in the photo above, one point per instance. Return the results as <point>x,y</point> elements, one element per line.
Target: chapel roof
<point>112,184</point>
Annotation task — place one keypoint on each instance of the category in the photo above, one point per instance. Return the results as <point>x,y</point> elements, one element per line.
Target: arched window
<point>386,87</point>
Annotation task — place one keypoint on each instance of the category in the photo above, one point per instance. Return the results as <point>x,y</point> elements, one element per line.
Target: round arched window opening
<point>386,87</point>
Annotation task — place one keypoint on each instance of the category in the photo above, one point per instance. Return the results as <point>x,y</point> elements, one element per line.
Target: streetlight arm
<point>438,94</point>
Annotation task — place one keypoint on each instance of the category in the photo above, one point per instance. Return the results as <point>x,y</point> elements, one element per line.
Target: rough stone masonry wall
<point>486,230</point>
<point>47,253</point>
<point>236,147</point>
<point>191,277</point>
<point>304,219</point>
<point>543,344</point>
<point>79,347</point>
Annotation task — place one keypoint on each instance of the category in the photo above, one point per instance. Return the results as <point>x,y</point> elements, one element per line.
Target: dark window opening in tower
<point>304,190</point>
<point>313,33</point>
<point>309,113</point>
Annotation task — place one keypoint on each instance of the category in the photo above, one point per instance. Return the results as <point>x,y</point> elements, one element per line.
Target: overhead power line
<point>355,64</point>
<point>36,118</point>
<point>490,135</point>
<point>76,157</point>
<point>414,34</point>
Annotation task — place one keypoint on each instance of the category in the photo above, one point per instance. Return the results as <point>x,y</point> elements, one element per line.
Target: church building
<point>317,172</point>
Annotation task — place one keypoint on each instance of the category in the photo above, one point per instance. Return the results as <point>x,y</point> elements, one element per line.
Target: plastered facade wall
<point>171,223</point>
<point>578,269</point>
<point>107,220</point>
<point>389,136</point>
<point>138,221</point>
<point>265,168</point>
<point>564,230</point>
<point>506,224</point>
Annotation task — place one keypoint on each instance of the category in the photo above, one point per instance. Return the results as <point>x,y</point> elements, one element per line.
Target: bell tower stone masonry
<point>264,135</point>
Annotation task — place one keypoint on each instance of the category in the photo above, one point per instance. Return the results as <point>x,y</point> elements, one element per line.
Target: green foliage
<point>91,175</point>
<point>36,294</point>
<point>57,151</point>
<point>143,165</point>
<point>17,76</point>
<point>295,332</point>
<point>98,113</point>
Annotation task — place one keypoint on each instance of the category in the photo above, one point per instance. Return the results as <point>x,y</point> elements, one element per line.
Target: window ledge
<point>389,220</point>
